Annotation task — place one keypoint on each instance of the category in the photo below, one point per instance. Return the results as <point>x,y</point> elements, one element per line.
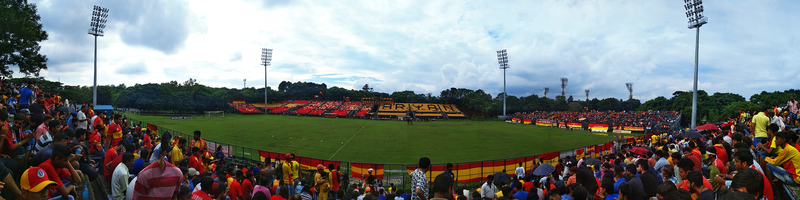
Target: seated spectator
<point>58,168</point>
<point>35,184</point>
<point>695,180</point>
<point>205,182</point>
<point>665,189</point>
<point>113,153</point>
<point>119,181</point>
<point>750,181</point>
<point>788,159</point>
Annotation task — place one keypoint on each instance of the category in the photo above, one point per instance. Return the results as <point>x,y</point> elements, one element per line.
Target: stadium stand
<point>245,108</point>
<point>428,110</point>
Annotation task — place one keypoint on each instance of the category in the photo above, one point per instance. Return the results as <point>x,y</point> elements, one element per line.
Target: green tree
<point>20,34</point>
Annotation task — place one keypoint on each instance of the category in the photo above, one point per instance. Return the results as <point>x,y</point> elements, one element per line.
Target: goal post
<point>218,113</point>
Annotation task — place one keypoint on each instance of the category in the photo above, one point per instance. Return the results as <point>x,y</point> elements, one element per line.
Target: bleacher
<point>426,110</point>
<point>282,106</point>
<point>243,107</point>
<point>318,108</point>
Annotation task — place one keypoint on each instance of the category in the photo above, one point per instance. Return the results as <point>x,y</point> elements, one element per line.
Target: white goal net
<point>214,113</point>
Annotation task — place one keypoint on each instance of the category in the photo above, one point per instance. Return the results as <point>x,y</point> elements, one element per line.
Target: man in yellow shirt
<point>287,173</point>
<point>759,127</point>
<point>177,153</point>
<point>786,166</point>
<point>322,184</point>
<point>295,171</point>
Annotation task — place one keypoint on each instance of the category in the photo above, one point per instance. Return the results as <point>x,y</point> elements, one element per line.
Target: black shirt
<point>650,183</point>
<point>706,195</point>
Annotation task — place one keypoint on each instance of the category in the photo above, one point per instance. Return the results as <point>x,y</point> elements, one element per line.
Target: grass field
<point>382,141</point>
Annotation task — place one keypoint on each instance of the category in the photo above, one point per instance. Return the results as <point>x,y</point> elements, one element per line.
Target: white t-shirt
<point>488,191</point>
<point>82,124</point>
<point>129,192</point>
<point>520,172</point>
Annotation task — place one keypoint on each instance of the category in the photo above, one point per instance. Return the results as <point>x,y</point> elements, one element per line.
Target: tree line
<point>190,96</point>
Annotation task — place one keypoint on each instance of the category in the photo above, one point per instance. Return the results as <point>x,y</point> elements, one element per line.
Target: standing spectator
<point>38,110</point>
<point>520,171</point>
<point>287,174</point>
<point>488,190</point>
<point>660,163</point>
<point>198,142</point>
<point>159,180</point>
<point>419,182</point>
<point>177,152</point>
<point>115,129</point>
<point>793,111</point>
<point>26,96</point>
<point>759,126</point>
<point>322,185</point>
<point>82,120</point>
<point>334,177</point>
<point>158,151</point>
<point>119,181</point>
<point>35,184</point>
<point>296,178</point>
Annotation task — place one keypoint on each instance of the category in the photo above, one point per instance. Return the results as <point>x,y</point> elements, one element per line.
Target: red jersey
<point>116,133</point>
<point>196,163</point>
<point>200,195</point>
<point>235,190</point>
<point>8,144</point>
<point>146,141</point>
<point>247,187</point>
<point>110,155</point>
<point>96,142</point>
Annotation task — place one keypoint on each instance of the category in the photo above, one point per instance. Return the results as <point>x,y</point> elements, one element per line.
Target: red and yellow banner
<point>550,158</point>
<point>633,128</point>
<point>305,163</point>
<point>542,122</point>
<point>579,153</point>
<point>361,170</point>
<point>526,121</point>
<point>574,125</point>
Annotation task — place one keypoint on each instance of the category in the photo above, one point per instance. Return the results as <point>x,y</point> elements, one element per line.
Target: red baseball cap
<point>35,179</point>
<point>320,166</point>
<point>288,156</point>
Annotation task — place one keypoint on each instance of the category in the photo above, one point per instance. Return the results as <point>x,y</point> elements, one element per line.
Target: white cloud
<point>429,46</point>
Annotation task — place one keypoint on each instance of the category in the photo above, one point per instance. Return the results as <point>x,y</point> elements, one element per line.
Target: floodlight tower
<point>694,11</point>
<point>630,90</point>
<point>502,59</point>
<point>98,23</point>
<point>245,83</point>
<point>587,95</point>
<point>546,89</point>
<point>266,60</point>
<point>563,85</point>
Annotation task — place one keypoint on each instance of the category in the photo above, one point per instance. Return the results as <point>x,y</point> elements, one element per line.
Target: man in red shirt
<point>195,161</point>
<point>689,153</point>
<point>206,184</point>
<point>55,169</point>
<point>247,184</point>
<point>235,189</point>
<point>96,142</point>
<point>334,176</point>
<point>115,130</point>
<point>147,143</point>
<point>198,142</point>
<point>112,154</point>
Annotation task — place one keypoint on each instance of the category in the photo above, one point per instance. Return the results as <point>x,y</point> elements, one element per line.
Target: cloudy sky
<point>428,46</point>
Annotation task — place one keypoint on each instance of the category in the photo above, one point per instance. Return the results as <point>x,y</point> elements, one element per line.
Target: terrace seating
<point>245,108</point>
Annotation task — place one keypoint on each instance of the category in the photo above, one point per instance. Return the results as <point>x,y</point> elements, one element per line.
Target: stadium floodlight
<point>502,59</point>
<point>98,23</point>
<point>630,89</point>
<point>266,60</point>
<point>563,86</point>
<point>694,11</point>
<point>587,95</point>
<point>546,89</point>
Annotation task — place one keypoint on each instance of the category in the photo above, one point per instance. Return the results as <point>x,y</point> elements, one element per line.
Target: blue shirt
<point>616,185</point>
<point>25,95</point>
<point>521,195</point>
<point>566,197</point>
<point>612,196</point>
<point>381,197</point>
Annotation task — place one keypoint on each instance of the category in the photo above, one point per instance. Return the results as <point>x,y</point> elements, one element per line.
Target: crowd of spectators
<point>626,118</point>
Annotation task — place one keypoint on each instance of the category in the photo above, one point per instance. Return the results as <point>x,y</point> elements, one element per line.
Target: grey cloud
<point>237,56</point>
<point>135,68</point>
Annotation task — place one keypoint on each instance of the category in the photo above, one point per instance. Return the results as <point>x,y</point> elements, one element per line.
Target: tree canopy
<point>20,34</point>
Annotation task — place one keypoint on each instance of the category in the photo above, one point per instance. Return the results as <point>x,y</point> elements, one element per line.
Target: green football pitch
<point>369,141</point>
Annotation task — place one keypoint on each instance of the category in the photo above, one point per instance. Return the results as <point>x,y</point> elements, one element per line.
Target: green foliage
<point>20,34</point>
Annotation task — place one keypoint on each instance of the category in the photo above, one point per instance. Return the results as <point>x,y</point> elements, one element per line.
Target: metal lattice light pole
<point>694,11</point>
<point>630,90</point>
<point>587,95</point>
<point>98,23</point>
<point>563,86</point>
<point>502,59</point>
<point>266,60</point>
<point>546,89</point>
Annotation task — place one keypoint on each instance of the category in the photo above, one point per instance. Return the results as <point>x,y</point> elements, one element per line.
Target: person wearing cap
<point>119,181</point>
<point>287,173</point>
<point>35,184</point>
<point>321,182</point>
